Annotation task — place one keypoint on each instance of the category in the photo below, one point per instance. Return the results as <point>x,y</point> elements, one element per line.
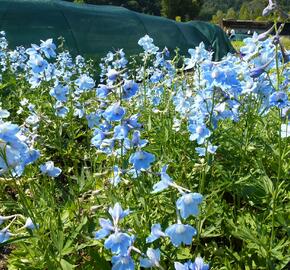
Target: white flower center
<point>125,261</point>
<point>117,239</point>
<point>199,130</point>
<point>187,199</point>
<point>180,229</point>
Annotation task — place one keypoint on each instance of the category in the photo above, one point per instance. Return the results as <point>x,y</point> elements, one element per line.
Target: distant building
<point>244,27</point>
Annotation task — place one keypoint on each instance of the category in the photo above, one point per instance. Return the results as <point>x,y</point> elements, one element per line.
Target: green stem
<point>203,177</point>
<point>276,185</point>
<point>275,193</point>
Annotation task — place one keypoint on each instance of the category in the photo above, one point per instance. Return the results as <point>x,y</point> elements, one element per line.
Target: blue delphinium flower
<point>31,156</point>
<point>156,76</point>
<point>279,99</point>
<point>115,180</point>
<point>107,228</point>
<point>197,265</point>
<point>180,266</point>
<point>260,68</point>
<point>188,204</point>
<point>122,262</point>
<point>93,119</point>
<point>102,91</point>
<point>10,158</point>
<point>141,160</point>
<point>120,132</point>
<point>59,92</point>
<point>153,259</point>
<point>165,182</point>
<point>147,44</point>
<point>8,131</point>
<point>79,110</point>
<point>4,235</point>
<point>48,48</point>
<point>80,61</point>
<point>185,266</point>
<point>114,112</point>
<point>272,5</point>
<point>49,169</point>
<point>60,109</point>
<point>132,122</point>
<point>84,83</point>
<point>180,233</point>
<point>98,137</point>
<point>112,75</point>
<point>199,133</point>
<point>197,55</point>
<point>37,63</point>
<point>263,36</point>
<point>136,141</point>
<point>156,233</point>
<point>32,120</point>
<point>119,243</point>
<point>210,149</point>
<point>107,146</point>
<point>35,80</point>
<point>15,153</point>
<point>30,225</point>
<point>130,88</point>
<point>117,213</point>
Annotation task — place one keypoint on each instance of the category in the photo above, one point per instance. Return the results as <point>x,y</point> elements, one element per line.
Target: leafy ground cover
<point>157,161</point>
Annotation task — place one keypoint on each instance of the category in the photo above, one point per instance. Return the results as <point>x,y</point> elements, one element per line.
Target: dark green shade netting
<point>94,30</point>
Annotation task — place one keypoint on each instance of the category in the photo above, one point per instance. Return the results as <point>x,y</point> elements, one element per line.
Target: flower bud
<point>256,72</point>
<point>30,225</point>
<point>276,40</point>
<point>272,6</point>
<point>264,36</point>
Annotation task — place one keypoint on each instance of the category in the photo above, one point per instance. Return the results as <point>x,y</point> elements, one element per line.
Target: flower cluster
<point>105,118</point>
<point>115,132</point>
<point>16,150</point>
<point>120,243</point>
<point>186,205</point>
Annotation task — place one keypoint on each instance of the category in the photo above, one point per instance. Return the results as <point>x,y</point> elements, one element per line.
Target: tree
<point>252,10</point>
<point>186,9</point>
<point>244,12</point>
<point>218,17</point>
<point>145,6</point>
<point>231,14</point>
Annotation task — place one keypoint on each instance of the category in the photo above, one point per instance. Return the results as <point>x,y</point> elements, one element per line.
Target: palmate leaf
<point>248,229</point>
<point>256,189</point>
<point>65,265</point>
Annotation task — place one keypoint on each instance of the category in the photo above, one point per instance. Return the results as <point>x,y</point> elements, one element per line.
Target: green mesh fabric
<point>94,30</point>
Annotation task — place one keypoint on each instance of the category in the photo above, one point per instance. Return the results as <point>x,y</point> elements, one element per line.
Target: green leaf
<point>101,263</point>
<point>65,265</point>
<point>14,240</point>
